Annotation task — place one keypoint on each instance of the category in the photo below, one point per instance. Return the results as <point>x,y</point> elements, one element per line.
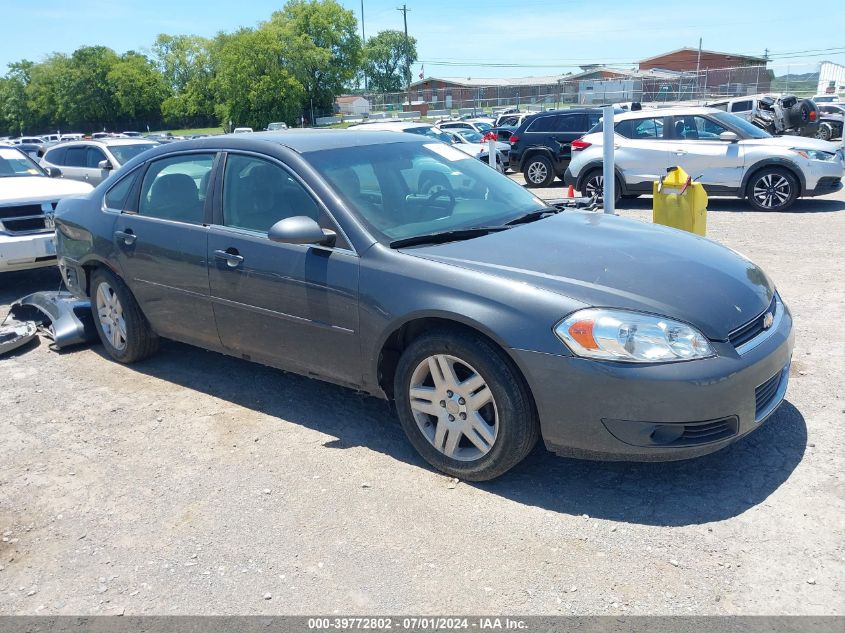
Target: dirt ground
<point>195,483</point>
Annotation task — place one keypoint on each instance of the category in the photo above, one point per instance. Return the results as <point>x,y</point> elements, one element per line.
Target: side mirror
<point>301,229</point>
<point>53,172</point>
<point>728,137</point>
<point>105,164</point>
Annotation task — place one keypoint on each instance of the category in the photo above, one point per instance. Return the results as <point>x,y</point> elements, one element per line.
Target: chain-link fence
<point>437,97</point>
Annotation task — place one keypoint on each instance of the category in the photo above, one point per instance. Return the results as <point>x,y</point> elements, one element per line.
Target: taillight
<point>812,115</point>
<point>513,139</point>
<point>579,144</point>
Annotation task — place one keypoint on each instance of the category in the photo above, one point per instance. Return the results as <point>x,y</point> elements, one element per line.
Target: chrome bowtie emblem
<point>768,319</point>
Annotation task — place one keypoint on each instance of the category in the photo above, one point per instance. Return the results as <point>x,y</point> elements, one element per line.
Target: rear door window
<point>56,156</point>
<point>175,188</point>
<point>572,123</point>
<point>543,124</point>
<point>76,157</point>
<point>651,128</point>
<point>741,106</point>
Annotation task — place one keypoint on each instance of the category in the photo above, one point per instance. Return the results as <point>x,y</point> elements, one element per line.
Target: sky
<point>456,38</point>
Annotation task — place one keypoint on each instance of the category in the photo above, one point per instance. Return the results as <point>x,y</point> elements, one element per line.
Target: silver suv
<point>92,161</point>
<point>727,154</point>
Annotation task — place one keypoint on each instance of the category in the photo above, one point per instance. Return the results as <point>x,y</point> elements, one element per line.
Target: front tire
<point>772,189</point>
<point>538,171</point>
<point>593,186</point>
<point>122,327</point>
<point>464,406</point>
<point>825,132</point>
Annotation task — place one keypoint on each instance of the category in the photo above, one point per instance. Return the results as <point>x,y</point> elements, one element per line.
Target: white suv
<point>728,155</point>
<point>27,200</point>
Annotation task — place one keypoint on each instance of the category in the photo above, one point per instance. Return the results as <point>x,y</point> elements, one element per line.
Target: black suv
<point>540,147</point>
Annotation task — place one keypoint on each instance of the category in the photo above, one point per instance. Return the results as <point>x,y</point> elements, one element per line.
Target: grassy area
<point>188,132</point>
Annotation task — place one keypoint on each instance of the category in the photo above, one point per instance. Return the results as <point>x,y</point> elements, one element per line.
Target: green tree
<point>321,47</point>
<point>387,60</point>
<point>90,100</point>
<point>186,63</point>
<point>139,89</point>
<point>251,81</point>
<point>15,117</point>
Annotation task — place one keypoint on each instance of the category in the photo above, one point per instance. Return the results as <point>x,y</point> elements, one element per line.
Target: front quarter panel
<point>397,287</point>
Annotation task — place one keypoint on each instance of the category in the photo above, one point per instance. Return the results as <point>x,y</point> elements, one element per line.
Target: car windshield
<point>748,129</point>
<point>406,190</point>
<point>14,163</point>
<point>469,136</point>
<point>125,153</point>
<point>481,125</point>
<point>430,132</point>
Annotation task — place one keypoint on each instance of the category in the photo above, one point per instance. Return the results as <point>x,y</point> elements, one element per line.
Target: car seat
<point>174,197</point>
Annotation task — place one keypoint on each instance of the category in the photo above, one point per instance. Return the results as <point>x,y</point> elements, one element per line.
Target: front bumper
<point>22,252</point>
<point>624,411</point>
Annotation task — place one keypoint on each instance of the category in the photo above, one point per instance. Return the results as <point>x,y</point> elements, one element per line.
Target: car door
<point>75,160</point>
<point>292,305</point>
<point>161,240</point>
<point>698,150</point>
<point>641,151</point>
<point>567,128</point>
<point>93,174</point>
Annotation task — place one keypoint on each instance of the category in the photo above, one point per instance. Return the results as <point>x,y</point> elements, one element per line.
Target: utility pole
<point>363,42</point>
<point>404,11</point>
<point>697,70</point>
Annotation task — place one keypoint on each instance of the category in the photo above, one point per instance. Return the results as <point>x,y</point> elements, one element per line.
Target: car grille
<point>27,218</point>
<point>703,432</point>
<point>753,328</point>
<point>765,393</point>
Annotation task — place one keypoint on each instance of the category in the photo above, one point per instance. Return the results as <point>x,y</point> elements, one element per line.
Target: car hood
<point>607,261</point>
<point>39,188</point>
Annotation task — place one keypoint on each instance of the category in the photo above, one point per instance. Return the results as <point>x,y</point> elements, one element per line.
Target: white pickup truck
<point>28,197</point>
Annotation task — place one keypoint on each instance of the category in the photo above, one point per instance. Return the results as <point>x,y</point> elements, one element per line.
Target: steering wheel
<point>442,194</point>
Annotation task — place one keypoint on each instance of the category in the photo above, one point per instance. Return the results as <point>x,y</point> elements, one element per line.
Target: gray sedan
<point>488,317</point>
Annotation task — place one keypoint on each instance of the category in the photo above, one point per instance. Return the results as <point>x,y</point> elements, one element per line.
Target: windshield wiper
<point>447,236</point>
<point>532,215</point>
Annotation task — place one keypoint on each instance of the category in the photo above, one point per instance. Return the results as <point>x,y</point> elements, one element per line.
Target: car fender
<point>774,161</point>
<point>537,149</point>
<point>597,163</point>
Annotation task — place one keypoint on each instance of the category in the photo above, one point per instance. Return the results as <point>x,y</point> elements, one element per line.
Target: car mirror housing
<point>53,172</point>
<point>105,164</point>
<point>301,229</point>
<point>728,137</point>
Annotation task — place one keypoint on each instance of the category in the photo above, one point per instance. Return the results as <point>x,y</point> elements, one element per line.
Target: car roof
<point>107,142</point>
<point>299,140</point>
<point>386,125</point>
<point>665,111</point>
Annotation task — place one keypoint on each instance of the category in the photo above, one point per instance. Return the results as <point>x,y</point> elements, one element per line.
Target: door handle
<point>230,256</point>
<point>127,236</point>
<point>680,152</point>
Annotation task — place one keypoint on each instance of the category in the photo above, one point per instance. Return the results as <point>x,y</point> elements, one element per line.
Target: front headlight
<point>631,337</point>
<point>814,154</point>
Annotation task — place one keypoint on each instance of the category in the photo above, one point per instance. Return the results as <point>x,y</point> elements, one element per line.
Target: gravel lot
<point>197,483</point>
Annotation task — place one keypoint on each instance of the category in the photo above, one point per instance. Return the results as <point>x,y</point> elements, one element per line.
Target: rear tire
<point>538,171</point>
<point>772,189</point>
<point>122,327</point>
<point>464,406</point>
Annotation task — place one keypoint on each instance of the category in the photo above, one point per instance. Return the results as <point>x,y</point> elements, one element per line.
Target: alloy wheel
<point>537,173</point>
<point>454,407</point>
<point>594,188</point>
<point>772,191</point>
<point>110,314</point>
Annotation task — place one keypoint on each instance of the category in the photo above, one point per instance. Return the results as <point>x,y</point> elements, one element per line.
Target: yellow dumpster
<point>680,203</point>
